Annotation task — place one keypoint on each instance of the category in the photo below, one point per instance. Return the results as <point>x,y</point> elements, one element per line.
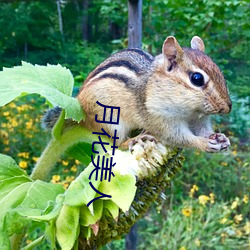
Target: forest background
<point>207,205</point>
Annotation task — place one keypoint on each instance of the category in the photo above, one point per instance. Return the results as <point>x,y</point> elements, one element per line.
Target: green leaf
<point>34,243</point>
<point>9,168</point>
<point>122,188</point>
<point>112,208</point>
<point>86,231</point>
<point>4,240</point>
<point>39,194</point>
<point>14,198</point>
<point>13,223</point>
<point>50,234</point>
<point>20,197</point>
<point>6,186</point>
<point>53,82</point>
<point>9,220</point>
<point>87,218</point>
<point>26,202</point>
<point>45,216</point>
<point>82,152</point>
<point>80,192</point>
<point>67,226</point>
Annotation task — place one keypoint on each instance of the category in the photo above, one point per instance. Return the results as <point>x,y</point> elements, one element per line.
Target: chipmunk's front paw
<point>217,142</point>
<point>141,139</point>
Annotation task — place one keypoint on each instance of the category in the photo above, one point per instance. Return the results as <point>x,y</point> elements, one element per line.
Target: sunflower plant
<point>66,219</point>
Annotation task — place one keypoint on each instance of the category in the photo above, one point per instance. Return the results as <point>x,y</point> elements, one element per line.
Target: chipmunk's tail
<point>50,117</point>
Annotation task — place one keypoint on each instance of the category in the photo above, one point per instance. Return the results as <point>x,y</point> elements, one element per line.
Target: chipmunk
<point>170,97</point>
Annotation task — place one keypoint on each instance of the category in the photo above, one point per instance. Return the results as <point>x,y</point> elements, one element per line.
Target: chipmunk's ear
<point>197,43</point>
<point>171,49</point>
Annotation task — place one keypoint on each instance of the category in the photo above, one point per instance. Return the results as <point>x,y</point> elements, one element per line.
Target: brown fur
<point>156,95</point>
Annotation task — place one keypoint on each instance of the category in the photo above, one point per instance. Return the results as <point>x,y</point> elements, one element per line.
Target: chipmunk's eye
<point>197,79</point>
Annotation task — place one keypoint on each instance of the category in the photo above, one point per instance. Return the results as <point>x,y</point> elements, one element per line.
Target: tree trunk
<point>59,16</point>
<point>131,238</point>
<point>135,23</point>
<point>85,20</point>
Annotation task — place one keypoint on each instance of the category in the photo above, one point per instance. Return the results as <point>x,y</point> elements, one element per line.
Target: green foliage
<point>30,32</point>
<point>24,200</point>
<point>28,200</point>
<point>82,152</point>
<point>52,82</point>
<point>81,58</point>
<point>207,206</point>
<point>20,197</point>
<point>238,122</point>
<point>198,224</point>
<point>231,166</point>
<point>223,25</point>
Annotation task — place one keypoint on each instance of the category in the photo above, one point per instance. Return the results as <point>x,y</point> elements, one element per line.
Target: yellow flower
<point>65,163</point>
<point>223,220</point>
<point>234,152</point>
<point>29,124</point>
<point>6,149</point>
<point>197,242</point>
<point>238,218</point>
<point>6,141</point>
<point>238,159</point>
<point>193,190</point>
<point>12,105</point>
<point>35,159</point>
<point>224,164</point>
<point>183,248</point>
<point>235,203</point>
<point>223,235</point>
<point>247,227</point>
<point>238,233</point>
<point>23,164</point>
<point>211,195</point>
<point>55,178</point>
<point>23,107</point>
<point>70,178</point>
<point>29,135</point>
<point>77,162</point>
<point>28,241</point>
<point>187,211</point>
<point>245,199</point>
<point>6,113</point>
<point>19,108</point>
<point>14,123</point>
<point>24,154</point>
<point>4,134</point>
<point>203,199</point>
<point>73,168</point>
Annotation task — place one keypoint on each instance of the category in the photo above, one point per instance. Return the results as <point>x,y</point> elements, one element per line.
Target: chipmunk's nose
<point>230,106</point>
<point>227,108</point>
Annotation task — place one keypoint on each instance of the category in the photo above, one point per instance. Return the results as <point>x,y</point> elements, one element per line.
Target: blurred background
<point>207,206</point>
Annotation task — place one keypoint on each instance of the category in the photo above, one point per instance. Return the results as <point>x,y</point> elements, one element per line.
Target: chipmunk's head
<point>198,76</point>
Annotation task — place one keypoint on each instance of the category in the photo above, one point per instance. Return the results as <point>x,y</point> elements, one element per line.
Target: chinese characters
<point>103,167</point>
